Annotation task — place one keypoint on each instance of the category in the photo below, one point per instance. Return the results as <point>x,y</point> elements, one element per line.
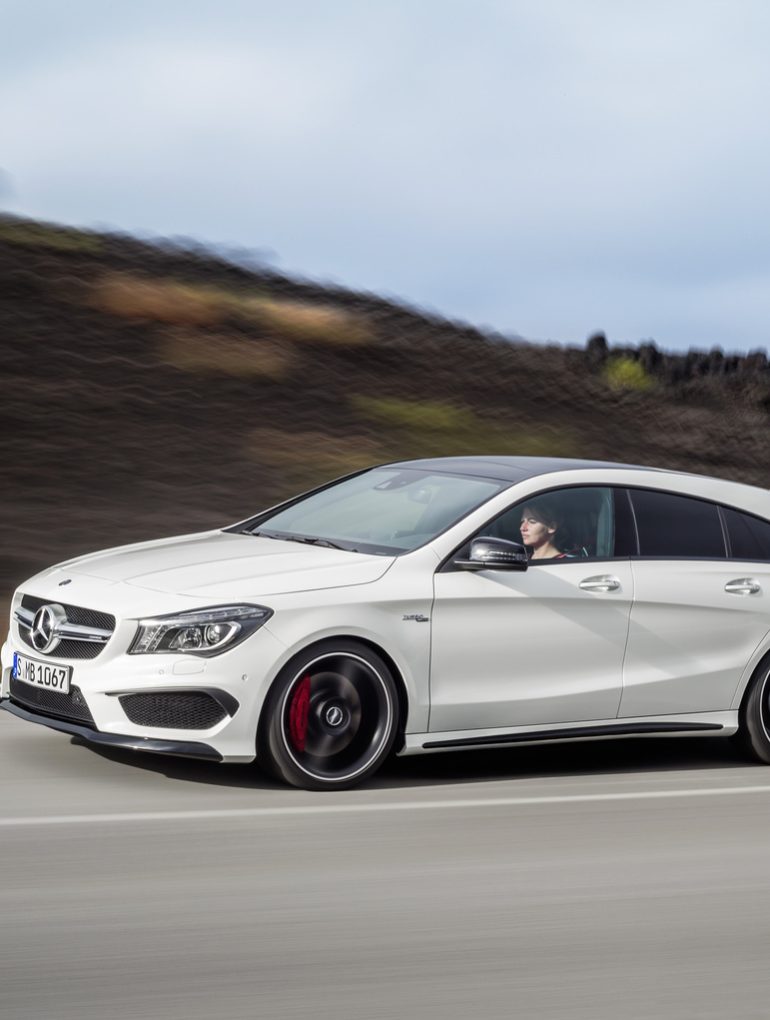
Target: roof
<point>510,469</point>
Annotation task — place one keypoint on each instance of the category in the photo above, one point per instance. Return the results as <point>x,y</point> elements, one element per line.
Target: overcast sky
<point>548,168</point>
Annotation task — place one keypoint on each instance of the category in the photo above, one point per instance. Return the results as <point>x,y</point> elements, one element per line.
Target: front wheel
<point>754,730</point>
<point>331,717</point>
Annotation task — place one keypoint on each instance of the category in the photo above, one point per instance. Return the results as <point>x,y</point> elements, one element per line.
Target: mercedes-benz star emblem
<point>43,633</point>
<point>334,715</point>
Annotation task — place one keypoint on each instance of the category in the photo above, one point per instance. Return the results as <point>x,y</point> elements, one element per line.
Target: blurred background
<point>153,389</point>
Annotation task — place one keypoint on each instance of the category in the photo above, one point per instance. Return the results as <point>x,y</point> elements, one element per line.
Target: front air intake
<point>52,703</point>
<point>182,710</point>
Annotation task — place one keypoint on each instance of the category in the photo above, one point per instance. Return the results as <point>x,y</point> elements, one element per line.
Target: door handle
<point>604,582</point>
<point>743,586</point>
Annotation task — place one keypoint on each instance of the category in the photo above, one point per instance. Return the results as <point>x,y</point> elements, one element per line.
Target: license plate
<point>42,674</point>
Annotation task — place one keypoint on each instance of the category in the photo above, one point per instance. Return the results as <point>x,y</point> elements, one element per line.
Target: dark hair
<point>545,511</point>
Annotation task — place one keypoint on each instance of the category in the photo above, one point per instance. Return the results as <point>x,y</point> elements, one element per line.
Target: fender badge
<point>417,617</point>
<point>68,581</point>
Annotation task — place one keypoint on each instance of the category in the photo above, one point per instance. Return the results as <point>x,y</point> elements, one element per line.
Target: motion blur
<point>158,388</point>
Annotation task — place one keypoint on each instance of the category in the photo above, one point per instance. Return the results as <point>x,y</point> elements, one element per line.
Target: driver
<point>539,532</point>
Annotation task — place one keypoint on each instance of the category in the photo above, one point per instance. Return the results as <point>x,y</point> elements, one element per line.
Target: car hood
<point>224,565</point>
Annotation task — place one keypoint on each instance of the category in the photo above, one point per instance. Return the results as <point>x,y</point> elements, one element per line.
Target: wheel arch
<point>760,659</point>
<point>373,646</point>
<point>743,693</point>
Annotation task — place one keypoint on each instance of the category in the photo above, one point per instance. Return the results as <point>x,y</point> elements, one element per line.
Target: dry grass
<point>178,304</point>
<point>219,354</point>
<point>308,323</point>
<point>185,304</point>
<point>307,459</point>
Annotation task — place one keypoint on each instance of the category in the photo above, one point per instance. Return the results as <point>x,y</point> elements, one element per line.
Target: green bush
<point>423,414</point>
<point>624,373</point>
<point>42,236</point>
<point>434,428</point>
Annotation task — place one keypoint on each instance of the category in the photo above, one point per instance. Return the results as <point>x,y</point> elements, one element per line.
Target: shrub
<point>624,373</point>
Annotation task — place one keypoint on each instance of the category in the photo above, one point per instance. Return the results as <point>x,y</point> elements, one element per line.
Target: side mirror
<point>495,554</point>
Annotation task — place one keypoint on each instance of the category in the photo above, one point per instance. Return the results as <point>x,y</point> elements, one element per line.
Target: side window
<point>749,536</point>
<point>563,524</point>
<point>677,526</point>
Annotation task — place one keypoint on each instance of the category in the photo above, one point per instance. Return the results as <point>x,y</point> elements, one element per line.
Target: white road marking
<point>358,808</point>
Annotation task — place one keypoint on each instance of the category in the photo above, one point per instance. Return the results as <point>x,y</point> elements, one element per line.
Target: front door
<point>541,646</point>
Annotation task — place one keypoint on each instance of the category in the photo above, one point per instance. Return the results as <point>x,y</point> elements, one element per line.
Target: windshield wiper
<point>305,539</point>
<point>308,540</point>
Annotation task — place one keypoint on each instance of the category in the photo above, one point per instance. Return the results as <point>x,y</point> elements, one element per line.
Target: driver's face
<point>533,531</point>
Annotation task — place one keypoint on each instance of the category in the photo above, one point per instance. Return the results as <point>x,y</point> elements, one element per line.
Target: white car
<point>444,603</point>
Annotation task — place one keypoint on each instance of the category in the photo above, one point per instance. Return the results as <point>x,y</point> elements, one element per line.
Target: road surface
<point>604,879</point>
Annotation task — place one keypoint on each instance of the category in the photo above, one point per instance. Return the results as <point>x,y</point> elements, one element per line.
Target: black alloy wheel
<point>331,717</point>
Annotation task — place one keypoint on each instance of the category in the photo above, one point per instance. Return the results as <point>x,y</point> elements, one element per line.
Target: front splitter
<point>178,748</point>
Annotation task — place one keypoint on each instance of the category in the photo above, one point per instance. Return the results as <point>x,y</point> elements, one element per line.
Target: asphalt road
<point>623,879</point>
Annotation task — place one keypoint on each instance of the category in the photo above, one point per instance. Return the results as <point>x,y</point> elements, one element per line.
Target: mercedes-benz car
<point>414,607</point>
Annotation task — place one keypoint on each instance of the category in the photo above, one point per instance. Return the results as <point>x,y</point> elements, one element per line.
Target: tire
<point>331,717</point>
<point>753,735</point>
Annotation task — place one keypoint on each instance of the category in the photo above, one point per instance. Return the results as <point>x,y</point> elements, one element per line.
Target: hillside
<point>152,389</point>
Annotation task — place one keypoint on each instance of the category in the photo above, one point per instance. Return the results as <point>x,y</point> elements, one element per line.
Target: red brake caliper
<point>300,703</point>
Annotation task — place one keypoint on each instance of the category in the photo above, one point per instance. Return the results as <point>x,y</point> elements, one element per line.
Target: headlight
<point>199,632</point>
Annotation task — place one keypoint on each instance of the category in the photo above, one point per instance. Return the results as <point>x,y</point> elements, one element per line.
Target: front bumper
<point>180,748</point>
<point>238,680</point>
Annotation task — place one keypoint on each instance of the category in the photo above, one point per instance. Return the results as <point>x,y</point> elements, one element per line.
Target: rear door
<point>699,611</point>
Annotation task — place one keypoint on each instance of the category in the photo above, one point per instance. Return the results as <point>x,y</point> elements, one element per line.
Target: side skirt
<point>624,729</point>
<point>723,723</point>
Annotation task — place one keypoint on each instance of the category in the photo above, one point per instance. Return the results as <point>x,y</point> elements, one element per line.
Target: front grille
<point>59,706</point>
<point>183,710</point>
<point>75,614</point>
<point>69,649</point>
<point>65,649</point>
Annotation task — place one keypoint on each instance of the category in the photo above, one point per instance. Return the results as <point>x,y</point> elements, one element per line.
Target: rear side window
<point>677,526</point>
<point>749,536</point>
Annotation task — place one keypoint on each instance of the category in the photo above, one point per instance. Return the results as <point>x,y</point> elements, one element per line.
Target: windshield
<point>385,510</point>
